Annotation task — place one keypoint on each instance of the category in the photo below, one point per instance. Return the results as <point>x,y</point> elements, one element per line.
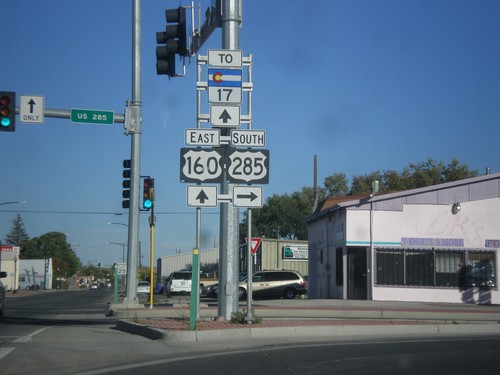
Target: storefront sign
<point>429,242</point>
<point>294,252</point>
<point>492,243</point>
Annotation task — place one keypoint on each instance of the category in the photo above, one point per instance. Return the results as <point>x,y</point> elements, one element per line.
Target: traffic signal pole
<point>229,233</point>
<point>134,130</point>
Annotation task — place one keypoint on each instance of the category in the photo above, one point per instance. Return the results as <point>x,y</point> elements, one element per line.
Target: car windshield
<point>143,283</point>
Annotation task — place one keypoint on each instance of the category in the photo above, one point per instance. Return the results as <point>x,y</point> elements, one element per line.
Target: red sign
<point>6,248</point>
<point>255,244</point>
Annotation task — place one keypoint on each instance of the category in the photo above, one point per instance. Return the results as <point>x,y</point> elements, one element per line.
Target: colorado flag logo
<point>224,77</point>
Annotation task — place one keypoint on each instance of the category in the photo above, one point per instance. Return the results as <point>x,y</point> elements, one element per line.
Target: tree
<point>53,245</point>
<point>281,217</point>
<point>17,235</point>
<point>336,185</point>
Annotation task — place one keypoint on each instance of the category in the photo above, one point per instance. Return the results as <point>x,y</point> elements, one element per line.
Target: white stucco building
<point>437,244</point>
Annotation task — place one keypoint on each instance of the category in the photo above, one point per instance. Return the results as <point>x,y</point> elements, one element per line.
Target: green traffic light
<point>6,121</point>
<point>147,203</point>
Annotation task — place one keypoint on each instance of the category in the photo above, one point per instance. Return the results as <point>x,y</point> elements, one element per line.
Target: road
<point>66,332</point>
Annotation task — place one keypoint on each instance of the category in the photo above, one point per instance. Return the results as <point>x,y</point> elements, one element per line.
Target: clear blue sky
<point>366,85</point>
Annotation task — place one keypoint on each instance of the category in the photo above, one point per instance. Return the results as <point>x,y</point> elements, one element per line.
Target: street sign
<point>91,116</point>
<point>225,115</point>
<point>201,165</point>
<point>225,58</point>
<point>202,137</point>
<point>122,268</point>
<point>225,86</point>
<point>248,138</point>
<point>254,244</point>
<point>247,196</point>
<point>202,196</point>
<point>249,166</point>
<point>31,109</point>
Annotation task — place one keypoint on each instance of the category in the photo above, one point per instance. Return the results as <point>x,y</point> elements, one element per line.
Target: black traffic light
<point>7,111</point>
<point>173,41</point>
<point>148,193</point>
<point>126,183</point>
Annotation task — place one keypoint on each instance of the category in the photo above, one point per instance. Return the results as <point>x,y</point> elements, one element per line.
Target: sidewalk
<point>311,318</point>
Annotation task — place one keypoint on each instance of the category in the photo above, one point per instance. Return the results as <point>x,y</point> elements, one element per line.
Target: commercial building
<point>24,273</point>
<point>434,244</point>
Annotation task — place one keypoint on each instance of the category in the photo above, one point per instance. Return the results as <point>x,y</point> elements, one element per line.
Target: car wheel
<point>290,293</point>
<point>242,293</point>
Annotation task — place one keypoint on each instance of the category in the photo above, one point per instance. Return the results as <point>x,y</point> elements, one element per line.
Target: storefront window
<point>442,268</point>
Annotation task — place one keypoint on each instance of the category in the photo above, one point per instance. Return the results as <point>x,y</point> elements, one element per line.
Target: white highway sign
<point>248,138</point>
<point>225,115</point>
<point>201,165</point>
<point>202,137</point>
<point>250,166</point>
<point>247,196</point>
<point>225,58</point>
<point>202,196</point>
<point>225,86</point>
<point>31,109</point>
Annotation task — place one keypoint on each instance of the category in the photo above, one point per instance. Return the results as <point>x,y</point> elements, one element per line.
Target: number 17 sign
<point>224,85</point>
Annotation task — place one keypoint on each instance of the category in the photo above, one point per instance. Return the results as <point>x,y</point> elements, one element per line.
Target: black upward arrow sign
<point>202,197</point>
<point>252,196</point>
<point>225,116</point>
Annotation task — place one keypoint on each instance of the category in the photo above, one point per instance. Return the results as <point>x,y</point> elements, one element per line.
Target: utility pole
<point>133,128</point>
<point>229,233</point>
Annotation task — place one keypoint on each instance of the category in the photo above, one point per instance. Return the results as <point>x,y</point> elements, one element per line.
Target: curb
<point>304,332</point>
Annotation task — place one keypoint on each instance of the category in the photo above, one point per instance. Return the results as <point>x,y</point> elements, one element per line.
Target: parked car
<point>179,282</point>
<point>143,287</point>
<point>2,294</point>
<point>280,283</point>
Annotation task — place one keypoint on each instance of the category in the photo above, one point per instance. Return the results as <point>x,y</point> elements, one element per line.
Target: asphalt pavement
<point>169,320</point>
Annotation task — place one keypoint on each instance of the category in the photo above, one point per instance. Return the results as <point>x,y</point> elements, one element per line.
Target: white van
<point>179,282</point>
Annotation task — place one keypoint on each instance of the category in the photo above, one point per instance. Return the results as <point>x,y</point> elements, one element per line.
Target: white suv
<point>179,282</point>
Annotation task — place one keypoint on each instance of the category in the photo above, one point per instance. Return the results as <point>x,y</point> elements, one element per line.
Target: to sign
<point>91,116</point>
<point>199,165</point>
<point>250,166</point>
<point>225,58</point>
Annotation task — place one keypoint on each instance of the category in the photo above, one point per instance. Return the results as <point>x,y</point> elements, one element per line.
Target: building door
<point>356,274</point>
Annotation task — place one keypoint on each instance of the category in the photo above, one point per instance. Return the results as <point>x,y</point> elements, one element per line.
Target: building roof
<point>329,205</point>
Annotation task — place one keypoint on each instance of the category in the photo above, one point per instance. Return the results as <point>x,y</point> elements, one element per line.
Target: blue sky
<point>365,85</point>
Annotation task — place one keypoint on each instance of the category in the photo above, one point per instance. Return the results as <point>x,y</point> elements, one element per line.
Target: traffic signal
<point>127,165</point>
<point>148,193</point>
<point>174,39</point>
<point>7,111</point>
